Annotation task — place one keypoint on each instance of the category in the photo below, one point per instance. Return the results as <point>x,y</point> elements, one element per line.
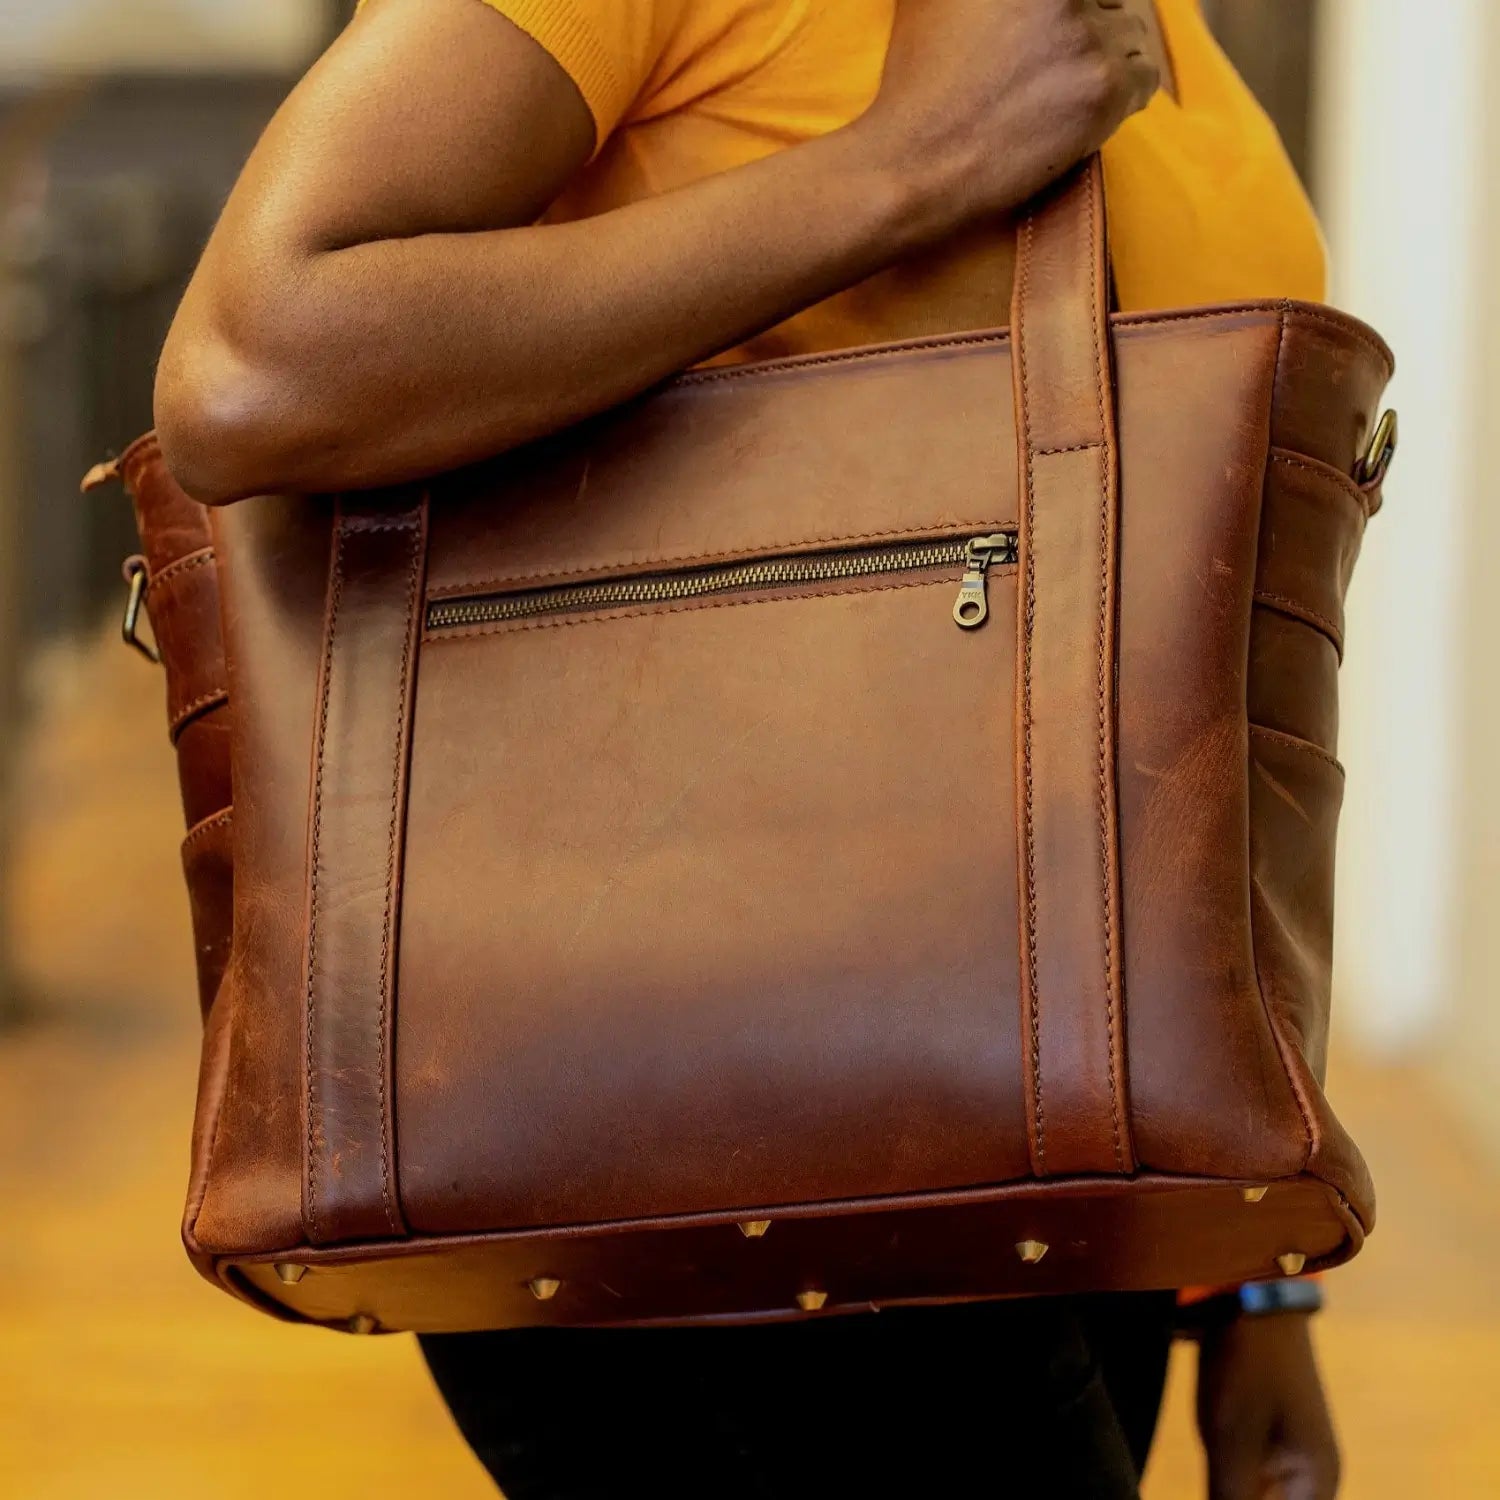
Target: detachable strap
<point>1072,1003</point>
<point>365,693</point>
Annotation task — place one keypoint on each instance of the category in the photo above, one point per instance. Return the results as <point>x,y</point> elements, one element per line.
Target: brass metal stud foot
<point>362,1323</point>
<point>544,1288</point>
<point>1253,1195</point>
<point>1031,1251</point>
<point>754,1229</point>
<point>811,1301</point>
<point>1291,1263</point>
<point>288,1273</point>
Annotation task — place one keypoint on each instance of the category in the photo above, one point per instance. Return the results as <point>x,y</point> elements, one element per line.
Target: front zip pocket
<point>976,556</point>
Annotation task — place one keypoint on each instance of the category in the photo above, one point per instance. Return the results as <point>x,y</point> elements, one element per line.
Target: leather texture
<point>366,682</point>
<point>1068,819</point>
<point>552,948</point>
<point>182,602</point>
<point>941,1248</point>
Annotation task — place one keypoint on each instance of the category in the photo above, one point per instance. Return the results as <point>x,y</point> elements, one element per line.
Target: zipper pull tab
<point>973,607</point>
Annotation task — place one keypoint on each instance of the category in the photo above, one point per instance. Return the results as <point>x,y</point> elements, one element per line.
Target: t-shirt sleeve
<point>609,48</point>
<point>633,59</point>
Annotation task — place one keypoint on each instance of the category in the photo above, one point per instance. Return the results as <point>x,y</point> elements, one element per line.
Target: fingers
<point>1145,77</point>
<point>1126,37</point>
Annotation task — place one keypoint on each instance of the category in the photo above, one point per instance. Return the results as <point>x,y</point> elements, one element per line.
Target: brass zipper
<point>976,556</point>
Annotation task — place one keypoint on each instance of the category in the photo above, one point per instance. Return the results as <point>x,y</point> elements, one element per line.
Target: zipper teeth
<point>767,573</point>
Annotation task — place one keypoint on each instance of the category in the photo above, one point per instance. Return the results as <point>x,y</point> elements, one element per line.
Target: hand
<point>984,102</point>
<point>1263,1414</point>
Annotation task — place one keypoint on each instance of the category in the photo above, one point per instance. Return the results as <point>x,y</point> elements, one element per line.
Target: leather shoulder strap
<point>357,824</point>
<point>1071,986</point>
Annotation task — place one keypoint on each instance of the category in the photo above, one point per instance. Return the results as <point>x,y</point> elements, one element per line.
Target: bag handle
<point>1060,312</point>
<point>1067,802</point>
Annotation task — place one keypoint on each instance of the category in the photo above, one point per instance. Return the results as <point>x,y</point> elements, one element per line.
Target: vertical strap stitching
<point>1101,379</point>
<point>1279,1039</point>
<point>392,849</point>
<point>314,1122</point>
<point>1108,887</point>
<point>1029,503</point>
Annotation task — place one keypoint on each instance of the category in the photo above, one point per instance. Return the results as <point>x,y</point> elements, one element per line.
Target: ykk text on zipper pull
<point>973,606</point>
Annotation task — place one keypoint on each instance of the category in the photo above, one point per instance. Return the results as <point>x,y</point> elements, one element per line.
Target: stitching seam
<point>135,458</point>
<point>314,1124</point>
<point>1029,502</point>
<point>186,712</point>
<point>1278,1037</point>
<point>1281,310</point>
<point>1022,1191</point>
<point>1101,377</point>
<point>847,356</point>
<point>195,1211</point>
<point>179,565</point>
<point>1284,604</point>
<point>1071,448</point>
<point>1292,742</point>
<point>392,839</point>
<point>1325,472</point>
<point>198,830</point>
<point>1309,315</point>
<point>1277,311</point>
<point>366,526</point>
<point>1107,884</point>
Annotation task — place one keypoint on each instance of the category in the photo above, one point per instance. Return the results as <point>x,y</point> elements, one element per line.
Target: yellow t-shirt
<point>1204,204</point>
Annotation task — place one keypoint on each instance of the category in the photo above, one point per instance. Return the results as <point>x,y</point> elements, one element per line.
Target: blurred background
<point>122,123</point>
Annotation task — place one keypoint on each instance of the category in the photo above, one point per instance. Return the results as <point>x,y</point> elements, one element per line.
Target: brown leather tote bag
<point>844,831</point>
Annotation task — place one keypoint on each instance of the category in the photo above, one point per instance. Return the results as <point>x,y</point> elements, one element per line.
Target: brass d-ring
<point>137,577</point>
<point>1372,468</point>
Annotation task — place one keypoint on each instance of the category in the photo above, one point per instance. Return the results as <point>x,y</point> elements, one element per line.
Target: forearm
<point>390,359</point>
<point>378,301</point>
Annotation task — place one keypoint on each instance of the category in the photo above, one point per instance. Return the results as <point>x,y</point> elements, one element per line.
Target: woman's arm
<point>377,302</point>
<point>1263,1413</point>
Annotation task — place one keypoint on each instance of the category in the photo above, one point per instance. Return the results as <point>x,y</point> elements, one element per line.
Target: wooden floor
<point>123,1375</point>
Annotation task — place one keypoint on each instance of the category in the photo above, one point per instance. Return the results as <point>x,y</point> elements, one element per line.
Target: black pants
<point>1053,1398</point>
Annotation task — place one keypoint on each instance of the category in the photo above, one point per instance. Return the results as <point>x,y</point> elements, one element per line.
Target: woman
<point>476,223</point>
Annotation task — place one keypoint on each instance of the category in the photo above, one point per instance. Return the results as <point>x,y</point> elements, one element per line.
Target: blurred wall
<point>122,124</point>
<point>152,35</point>
<point>1271,43</point>
<point>1469,1036</point>
<point>1407,160</point>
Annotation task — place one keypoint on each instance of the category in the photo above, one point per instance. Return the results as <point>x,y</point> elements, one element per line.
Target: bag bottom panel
<point>1101,1235</point>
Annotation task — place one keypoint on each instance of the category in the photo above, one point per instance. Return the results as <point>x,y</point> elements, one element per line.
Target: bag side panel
<point>1328,392</point>
<point>182,601</point>
<point>274,557</point>
<point>1208,1087</point>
